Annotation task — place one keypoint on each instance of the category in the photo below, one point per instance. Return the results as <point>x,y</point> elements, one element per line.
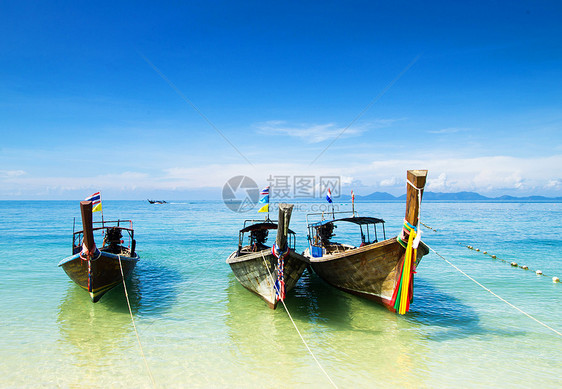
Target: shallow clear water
<point>200,328</point>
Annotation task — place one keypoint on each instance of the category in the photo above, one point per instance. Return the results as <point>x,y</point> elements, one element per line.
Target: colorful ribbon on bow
<point>403,292</point>
<point>280,283</point>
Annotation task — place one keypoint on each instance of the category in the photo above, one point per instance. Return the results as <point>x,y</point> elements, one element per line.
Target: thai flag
<point>95,198</point>
<point>264,191</point>
<point>329,195</point>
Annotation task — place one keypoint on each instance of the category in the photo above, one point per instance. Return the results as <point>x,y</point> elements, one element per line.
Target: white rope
<point>415,187</point>
<point>295,325</point>
<point>502,299</point>
<point>134,326</point>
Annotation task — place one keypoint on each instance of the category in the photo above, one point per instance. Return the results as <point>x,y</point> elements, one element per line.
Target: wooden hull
<point>251,270</point>
<point>105,272</point>
<point>370,271</point>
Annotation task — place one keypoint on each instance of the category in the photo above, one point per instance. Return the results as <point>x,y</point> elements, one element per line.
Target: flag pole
<point>101,203</point>
<point>329,199</point>
<point>265,194</point>
<point>268,197</point>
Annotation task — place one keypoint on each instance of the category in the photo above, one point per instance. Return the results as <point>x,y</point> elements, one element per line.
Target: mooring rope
<point>494,294</point>
<point>134,326</point>
<point>295,325</point>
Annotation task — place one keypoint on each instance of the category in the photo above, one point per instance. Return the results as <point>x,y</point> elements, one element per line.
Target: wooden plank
<point>417,178</point>
<point>86,210</point>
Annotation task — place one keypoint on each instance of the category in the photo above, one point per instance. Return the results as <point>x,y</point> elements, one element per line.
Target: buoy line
<point>494,294</point>
<point>295,325</point>
<point>513,263</point>
<point>134,326</point>
<point>428,227</point>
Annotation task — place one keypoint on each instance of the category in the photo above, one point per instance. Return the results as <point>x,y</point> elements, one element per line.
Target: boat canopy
<point>258,233</point>
<point>262,226</point>
<point>360,220</point>
<point>321,233</point>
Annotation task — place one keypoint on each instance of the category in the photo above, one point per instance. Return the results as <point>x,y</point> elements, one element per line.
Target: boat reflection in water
<point>98,336</point>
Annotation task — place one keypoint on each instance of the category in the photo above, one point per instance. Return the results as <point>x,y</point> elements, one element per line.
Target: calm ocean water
<point>200,328</point>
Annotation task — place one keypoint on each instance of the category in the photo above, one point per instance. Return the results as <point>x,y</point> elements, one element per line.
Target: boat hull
<point>257,272</point>
<point>370,271</point>
<point>105,272</point>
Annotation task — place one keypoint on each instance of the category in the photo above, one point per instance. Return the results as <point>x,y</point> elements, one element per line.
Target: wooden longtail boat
<point>269,272</point>
<point>157,201</point>
<point>98,270</point>
<point>377,270</point>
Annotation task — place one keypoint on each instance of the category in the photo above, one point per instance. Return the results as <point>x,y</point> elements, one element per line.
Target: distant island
<point>457,196</point>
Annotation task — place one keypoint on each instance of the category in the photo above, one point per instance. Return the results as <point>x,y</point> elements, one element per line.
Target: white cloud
<point>495,174</point>
<point>448,130</point>
<point>38,185</point>
<point>11,173</point>
<point>389,182</point>
<point>314,133</point>
<point>217,175</point>
<point>438,184</point>
<point>484,174</point>
<point>554,184</point>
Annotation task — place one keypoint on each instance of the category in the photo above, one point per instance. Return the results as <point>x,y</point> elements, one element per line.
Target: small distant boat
<point>269,272</point>
<point>98,270</point>
<point>381,271</point>
<point>157,201</point>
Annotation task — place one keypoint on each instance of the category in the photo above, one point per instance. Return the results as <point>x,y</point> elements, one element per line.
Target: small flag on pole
<point>96,201</point>
<point>264,200</point>
<point>329,196</point>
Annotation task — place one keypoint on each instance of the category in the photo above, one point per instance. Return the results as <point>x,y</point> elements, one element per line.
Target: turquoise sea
<point>199,328</point>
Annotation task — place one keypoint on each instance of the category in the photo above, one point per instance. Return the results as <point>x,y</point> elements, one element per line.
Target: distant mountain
<point>457,196</point>
<point>528,198</point>
<point>376,196</point>
<point>452,196</point>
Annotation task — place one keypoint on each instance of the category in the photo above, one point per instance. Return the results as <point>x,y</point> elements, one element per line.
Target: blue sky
<point>136,99</point>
